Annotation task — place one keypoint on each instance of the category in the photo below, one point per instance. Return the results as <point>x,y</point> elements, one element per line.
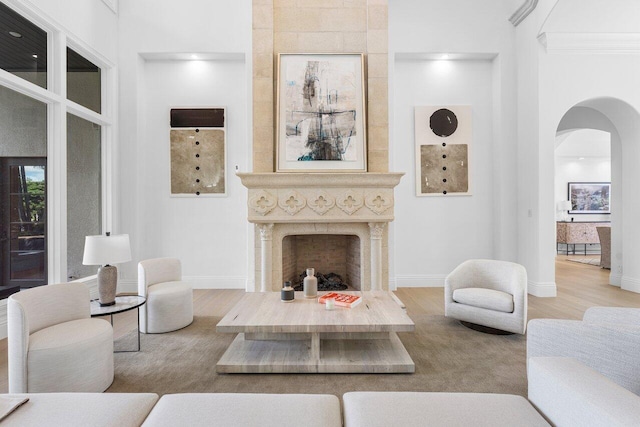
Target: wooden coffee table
<point>304,337</point>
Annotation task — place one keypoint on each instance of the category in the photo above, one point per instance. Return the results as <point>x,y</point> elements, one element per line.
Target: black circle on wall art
<point>443,122</point>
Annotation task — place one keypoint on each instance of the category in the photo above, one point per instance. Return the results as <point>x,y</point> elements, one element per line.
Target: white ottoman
<point>410,409</point>
<point>246,409</point>
<point>82,409</point>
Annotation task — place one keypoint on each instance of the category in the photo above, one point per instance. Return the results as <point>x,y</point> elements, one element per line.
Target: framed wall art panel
<point>590,197</point>
<point>198,152</point>
<point>443,150</point>
<point>321,113</point>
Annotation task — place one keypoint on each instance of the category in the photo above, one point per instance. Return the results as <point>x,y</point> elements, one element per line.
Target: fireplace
<point>357,206</point>
<point>326,253</point>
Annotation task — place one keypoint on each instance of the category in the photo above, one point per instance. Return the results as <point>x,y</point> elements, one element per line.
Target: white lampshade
<point>564,205</point>
<point>102,250</point>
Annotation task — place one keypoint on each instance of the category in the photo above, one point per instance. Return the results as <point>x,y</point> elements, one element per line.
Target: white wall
<point>434,234</point>
<point>571,72</point>
<point>209,235</point>
<point>430,236</point>
<point>88,22</point>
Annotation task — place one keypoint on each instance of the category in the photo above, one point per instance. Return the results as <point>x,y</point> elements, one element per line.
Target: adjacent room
<point>294,212</point>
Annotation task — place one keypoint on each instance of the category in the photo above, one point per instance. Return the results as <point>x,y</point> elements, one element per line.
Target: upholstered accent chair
<point>169,305</point>
<point>604,235</point>
<point>488,293</point>
<point>607,339</point>
<point>54,344</point>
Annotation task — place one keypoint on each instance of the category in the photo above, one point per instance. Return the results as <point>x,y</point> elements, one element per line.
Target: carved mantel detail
<point>378,201</point>
<point>322,202</point>
<point>262,202</point>
<point>283,204</point>
<point>292,202</point>
<point>350,202</point>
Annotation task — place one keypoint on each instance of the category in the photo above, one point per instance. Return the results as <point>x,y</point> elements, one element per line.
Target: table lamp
<point>564,206</point>
<point>103,250</point>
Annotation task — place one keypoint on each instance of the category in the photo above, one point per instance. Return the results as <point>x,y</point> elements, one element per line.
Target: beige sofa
<point>561,390</point>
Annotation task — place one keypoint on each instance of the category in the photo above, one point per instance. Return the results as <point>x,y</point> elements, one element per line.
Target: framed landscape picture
<point>590,197</point>
<point>321,113</point>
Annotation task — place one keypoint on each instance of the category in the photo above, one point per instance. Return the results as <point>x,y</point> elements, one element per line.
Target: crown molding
<point>591,43</point>
<point>112,4</point>
<point>523,11</point>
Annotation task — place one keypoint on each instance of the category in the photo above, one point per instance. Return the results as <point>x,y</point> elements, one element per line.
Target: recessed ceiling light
<point>580,158</point>
<point>35,56</point>
<point>15,34</point>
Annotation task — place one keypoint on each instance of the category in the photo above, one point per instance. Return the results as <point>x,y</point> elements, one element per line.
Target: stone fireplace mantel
<point>282,204</point>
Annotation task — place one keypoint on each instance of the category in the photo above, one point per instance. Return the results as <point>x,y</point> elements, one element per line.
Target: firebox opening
<point>326,253</point>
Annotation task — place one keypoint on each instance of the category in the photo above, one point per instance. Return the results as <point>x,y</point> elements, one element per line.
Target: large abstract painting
<point>443,141</point>
<point>198,152</point>
<point>590,197</point>
<point>321,121</point>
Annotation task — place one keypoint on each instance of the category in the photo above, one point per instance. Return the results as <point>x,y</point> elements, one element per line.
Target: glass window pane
<point>23,125</point>
<point>83,81</point>
<point>23,47</point>
<point>84,208</point>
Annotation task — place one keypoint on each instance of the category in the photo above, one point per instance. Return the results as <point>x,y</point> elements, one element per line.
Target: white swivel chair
<point>54,344</point>
<point>169,303</point>
<point>488,293</point>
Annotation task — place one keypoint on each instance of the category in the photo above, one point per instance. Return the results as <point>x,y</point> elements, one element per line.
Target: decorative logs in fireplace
<point>328,282</point>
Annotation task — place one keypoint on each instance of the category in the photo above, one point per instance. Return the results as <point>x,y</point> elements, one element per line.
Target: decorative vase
<point>310,284</point>
<point>287,294</point>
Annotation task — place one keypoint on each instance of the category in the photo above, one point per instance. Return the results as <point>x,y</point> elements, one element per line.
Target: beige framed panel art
<point>321,120</point>
<point>443,139</point>
<point>198,141</point>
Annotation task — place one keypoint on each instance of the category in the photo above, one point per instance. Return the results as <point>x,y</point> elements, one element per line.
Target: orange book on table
<point>342,300</point>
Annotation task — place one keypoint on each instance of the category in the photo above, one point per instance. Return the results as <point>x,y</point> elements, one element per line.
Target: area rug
<point>448,357</point>
<point>590,261</point>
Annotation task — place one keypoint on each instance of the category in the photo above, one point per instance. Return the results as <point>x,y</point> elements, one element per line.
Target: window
<point>53,191</point>
<point>83,81</point>
<point>23,47</point>
<point>23,231</point>
<point>84,207</point>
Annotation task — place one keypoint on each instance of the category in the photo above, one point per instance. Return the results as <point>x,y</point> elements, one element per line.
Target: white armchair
<point>169,305</point>
<point>489,293</point>
<point>607,339</point>
<point>54,344</point>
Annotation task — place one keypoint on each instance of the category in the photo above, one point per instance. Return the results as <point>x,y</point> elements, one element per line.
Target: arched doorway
<point>622,122</point>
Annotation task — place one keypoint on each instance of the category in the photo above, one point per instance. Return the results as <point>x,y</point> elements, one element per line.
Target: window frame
<point>55,97</point>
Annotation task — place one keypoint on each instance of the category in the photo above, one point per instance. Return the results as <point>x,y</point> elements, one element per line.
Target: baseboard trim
<point>420,281</point>
<point>542,289</point>
<point>630,284</point>
<point>615,279</point>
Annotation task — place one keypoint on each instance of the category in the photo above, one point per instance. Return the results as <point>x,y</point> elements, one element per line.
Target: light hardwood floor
<point>580,286</point>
